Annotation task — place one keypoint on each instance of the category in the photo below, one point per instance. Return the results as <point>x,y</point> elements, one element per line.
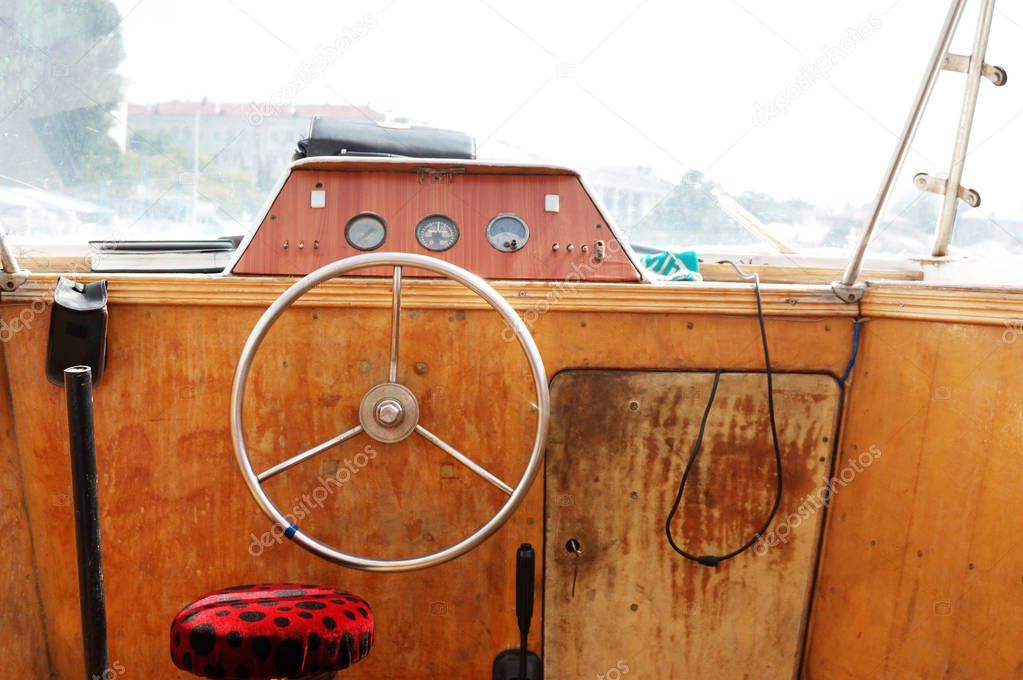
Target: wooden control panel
<point>568,237</point>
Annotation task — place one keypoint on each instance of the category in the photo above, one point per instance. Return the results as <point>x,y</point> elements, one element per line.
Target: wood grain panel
<point>177,520</point>
<point>897,596</point>
<point>403,199</point>
<point>619,445</point>
<point>922,574</point>
<point>22,636</point>
<point>770,273</point>
<point>990,306</point>
<point>531,298</point>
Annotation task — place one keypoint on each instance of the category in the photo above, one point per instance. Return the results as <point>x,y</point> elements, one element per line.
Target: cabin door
<point>627,605</point>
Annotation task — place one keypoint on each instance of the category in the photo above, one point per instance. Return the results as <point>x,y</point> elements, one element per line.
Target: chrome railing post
<point>852,272</point>
<point>946,221</point>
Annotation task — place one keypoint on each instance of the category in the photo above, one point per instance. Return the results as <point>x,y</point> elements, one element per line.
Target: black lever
<point>525,565</point>
<point>521,664</point>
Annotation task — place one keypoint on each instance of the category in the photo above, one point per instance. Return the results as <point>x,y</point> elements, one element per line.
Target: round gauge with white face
<point>508,233</point>
<point>437,233</point>
<point>366,231</point>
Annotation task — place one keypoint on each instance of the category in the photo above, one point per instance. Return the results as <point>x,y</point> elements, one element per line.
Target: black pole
<point>78,389</point>
<point>525,561</point>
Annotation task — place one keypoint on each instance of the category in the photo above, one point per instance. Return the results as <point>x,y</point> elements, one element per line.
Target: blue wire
<point>855,352</point>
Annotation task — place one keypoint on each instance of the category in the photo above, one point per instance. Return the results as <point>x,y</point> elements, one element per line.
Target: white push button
<point>552,203</point>
<point>318,198</point>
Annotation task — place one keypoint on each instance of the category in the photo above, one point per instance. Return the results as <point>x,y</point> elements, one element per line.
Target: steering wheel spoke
<point>392,369</point>
<point>307,454</point>
<point>463,459</point>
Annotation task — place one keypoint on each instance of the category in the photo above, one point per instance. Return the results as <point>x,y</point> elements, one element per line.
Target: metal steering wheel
<point>389,411</point>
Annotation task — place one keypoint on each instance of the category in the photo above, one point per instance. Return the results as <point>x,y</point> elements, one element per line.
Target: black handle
<point>84,485</point>
<point>525,563</point>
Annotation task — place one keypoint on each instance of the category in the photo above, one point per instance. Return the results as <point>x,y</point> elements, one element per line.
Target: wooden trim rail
<point>902,300</point>
<point>234,291</point>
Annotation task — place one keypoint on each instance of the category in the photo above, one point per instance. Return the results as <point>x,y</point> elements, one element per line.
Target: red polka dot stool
<point>271,630</point>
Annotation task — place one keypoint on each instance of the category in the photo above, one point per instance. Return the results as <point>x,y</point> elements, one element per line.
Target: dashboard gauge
<point>366,231</point>
<point>507,233</point>
<point>437,233</point>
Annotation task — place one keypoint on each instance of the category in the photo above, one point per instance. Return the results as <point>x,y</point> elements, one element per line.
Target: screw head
<point>389,412</point>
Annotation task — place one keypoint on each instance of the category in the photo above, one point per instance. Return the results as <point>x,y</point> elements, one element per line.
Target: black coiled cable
<point>715,560</point>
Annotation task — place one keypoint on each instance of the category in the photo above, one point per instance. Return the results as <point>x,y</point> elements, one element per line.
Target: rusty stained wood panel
<point>619,444</point>
<point>22,642</point>
<point>177,520</point>
<point>922,573</point>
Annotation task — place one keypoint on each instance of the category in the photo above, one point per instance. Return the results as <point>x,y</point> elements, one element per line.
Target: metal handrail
<point>946,222</point>
<point>843,288</point>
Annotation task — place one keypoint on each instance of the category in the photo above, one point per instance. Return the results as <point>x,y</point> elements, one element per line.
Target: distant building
<point>254,138</point>
<point>629,193</point>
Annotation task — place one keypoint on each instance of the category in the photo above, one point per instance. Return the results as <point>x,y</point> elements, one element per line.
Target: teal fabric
<point>677,266</point>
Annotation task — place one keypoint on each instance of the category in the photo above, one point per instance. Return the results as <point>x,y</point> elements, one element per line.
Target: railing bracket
<point>848,294</point>
<point>11,276</point>
<point>937,185</point>
<point>960,63</point>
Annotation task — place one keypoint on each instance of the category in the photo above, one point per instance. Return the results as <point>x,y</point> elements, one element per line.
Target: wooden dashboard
<point>414,203</point>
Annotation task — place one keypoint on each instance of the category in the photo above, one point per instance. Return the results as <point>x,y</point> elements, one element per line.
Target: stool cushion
<point>271,630</point>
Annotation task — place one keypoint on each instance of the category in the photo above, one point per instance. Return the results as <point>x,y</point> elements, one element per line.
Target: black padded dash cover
<point>334,137</point>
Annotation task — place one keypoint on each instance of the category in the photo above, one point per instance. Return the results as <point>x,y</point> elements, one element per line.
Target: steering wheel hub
<point>389,412</point>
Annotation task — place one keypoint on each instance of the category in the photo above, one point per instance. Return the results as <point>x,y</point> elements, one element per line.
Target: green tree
<point>769,209</point>
<point>156,161</point>
<point>59,89</point>
<point>689,216</point>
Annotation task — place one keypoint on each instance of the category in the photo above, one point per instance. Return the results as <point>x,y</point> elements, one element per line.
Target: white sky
<point>660,83</point>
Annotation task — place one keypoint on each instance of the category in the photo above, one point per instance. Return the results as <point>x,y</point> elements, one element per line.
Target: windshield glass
<point>143,119</point>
